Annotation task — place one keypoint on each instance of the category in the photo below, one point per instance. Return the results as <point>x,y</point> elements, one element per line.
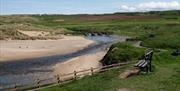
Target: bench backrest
<point>148,56</point>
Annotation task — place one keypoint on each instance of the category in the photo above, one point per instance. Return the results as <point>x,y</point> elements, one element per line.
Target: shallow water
<point>27,71</point>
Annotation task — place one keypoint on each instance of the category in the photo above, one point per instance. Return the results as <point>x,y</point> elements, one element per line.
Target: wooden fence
<point>60,79</point>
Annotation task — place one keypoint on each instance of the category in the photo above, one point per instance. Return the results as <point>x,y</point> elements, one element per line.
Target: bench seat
<point>145,62</point>
<point>141,63</point>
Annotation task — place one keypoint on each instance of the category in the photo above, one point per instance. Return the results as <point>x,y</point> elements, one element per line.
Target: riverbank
<point>26,71</point>
<point>79,63</point>
<point>87,61</point>
<point>165,76</point>
<point>23,49</point>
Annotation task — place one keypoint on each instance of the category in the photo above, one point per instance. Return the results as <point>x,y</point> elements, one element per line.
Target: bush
<point>121,52</point>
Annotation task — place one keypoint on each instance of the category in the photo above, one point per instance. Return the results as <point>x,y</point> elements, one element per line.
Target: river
<point>27,71</point>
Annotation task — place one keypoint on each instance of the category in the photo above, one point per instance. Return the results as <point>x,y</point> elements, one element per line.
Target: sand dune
<point>21,49</point>
<point>34,33</point>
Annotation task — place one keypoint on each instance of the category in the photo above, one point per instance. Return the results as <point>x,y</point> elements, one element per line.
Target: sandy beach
<point>22,49</point>
<point>80,63</point>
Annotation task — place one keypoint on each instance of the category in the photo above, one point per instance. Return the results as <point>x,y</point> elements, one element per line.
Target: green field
<point>165,77</point>
<point>157,30</point>
<point>164,26</point>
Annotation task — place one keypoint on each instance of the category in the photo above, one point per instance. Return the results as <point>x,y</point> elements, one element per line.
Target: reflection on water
<point>28,70</point>
<point>104,38</point>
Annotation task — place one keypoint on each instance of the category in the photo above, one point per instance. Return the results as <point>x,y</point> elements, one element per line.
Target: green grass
<point>155,30</point>
<point>165,77</point>
<point>80,24</point>
<point>122,52</point>
<point>164,37</point>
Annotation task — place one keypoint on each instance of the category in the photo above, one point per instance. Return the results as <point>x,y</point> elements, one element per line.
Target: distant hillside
<point>169,12</point>
<point>83,23</point>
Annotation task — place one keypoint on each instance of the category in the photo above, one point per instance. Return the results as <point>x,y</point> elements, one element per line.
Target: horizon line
<point>88,13</point>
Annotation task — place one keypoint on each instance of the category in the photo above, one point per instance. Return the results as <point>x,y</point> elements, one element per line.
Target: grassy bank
<point>165,77</point>
<point>122,52</point>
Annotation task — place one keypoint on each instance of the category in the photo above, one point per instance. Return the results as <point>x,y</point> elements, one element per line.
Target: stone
<point>128,73</point>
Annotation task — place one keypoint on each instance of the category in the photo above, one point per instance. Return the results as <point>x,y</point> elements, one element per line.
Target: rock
<point>129,73</point>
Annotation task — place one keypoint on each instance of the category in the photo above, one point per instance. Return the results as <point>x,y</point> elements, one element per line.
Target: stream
<point>27,71</point>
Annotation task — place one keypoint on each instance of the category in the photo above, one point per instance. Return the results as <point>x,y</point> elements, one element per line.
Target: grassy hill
<point>164,26</point>
<point>165,77</point>
<point>156,29</point>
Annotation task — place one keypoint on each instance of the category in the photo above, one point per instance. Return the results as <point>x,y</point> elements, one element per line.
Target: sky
<point>84,6</point>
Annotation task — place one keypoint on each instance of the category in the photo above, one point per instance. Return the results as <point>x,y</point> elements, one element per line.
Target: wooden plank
<point>144,65</point>
<point>142,62</point>
<point>139,62</point>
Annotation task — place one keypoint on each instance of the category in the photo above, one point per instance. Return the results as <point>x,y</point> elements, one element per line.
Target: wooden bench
<point>176,52</point>
<point>145,62</point>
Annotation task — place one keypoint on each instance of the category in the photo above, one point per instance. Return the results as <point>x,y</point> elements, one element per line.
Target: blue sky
<point>84,6</point>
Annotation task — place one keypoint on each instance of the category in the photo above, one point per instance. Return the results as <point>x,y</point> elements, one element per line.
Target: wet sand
<point>86,61</point>
<point>26,71</point>
<point>23,49</point>
<point>80,63</point>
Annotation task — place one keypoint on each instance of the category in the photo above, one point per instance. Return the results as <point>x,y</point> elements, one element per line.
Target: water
<point>105,38</point>
<point>28,70</point>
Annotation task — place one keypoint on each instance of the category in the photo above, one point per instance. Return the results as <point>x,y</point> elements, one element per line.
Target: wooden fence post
<point>75,74</point>
<point>150,68</point>
<point>16,87</point>
<point>58,79</point>
<point>38,83</point>
<point>92,71</point>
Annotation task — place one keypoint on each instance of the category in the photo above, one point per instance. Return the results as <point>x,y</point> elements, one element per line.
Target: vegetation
<point>9,32</point>
<point>155,30</point>
<point>165,77</point>
<point>131,24</point>
<point>155,33</point>
<point>122,52</point>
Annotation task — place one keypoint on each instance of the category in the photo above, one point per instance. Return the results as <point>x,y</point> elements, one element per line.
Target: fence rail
<point>59,79</point>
